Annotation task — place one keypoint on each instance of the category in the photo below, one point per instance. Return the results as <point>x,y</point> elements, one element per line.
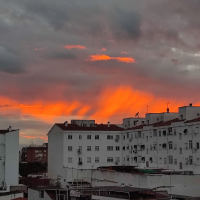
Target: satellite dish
<point>137,114</point>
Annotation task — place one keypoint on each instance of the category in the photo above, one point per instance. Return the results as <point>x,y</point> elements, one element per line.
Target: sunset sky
<point>88,59</point>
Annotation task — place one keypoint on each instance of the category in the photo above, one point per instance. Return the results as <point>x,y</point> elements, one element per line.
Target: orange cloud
<point>74,47</point>
<point>103,49</point>
<point>124,52</point>
<point>105,57</point>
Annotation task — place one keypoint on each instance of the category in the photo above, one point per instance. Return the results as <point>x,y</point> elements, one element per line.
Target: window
<point>159,133</point>
<point>139,134</point>
<point>127,135</point>
<point>197,145</point>
<point>69,160</point>
<point>41,194</point>
<point>109,148</point>
<point>165,160</point>
<point>170,159</point>
<point>89,137</point>
<point>109,159</point>
<point>170,145</point>
<point>124,137</point>
<point>36,151</point>
<point>96,148</point>
<point>147,151</point>
<point>88,148</point>
<point>96,137</point>
<point>155,133</point>
<point>175,146</point>
<point>118,148</point>
<point>110,137</point>
<point>146,138</point>
<point>160,160</point>
<point>80,137</point>
<point>88,159</point>
<point>84,125</point>
<point>160,146</point>
<point>174,131</point>
<point>190,144</point>
<point>186,145</point>
<point>180,165</point>
<point>164,133</point>
<point>180,136</point>
<point>80,159</point>
<point>155,146</point>
<point>190,160</point>
<point>96,159</point>
<point>180,150</point>
<point>69,148</point>
<point>175,161</point>
<point>117,159</point>
<point>181,117</point>
<point>69,137</point>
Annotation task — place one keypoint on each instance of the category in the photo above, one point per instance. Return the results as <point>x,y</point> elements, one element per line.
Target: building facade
<point>35,154</point>
<point>86,146</point>
<point>170,141</point>
<point>9,159</point>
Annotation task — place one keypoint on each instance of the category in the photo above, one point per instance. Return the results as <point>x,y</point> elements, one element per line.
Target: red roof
<point>5,131</point>
<point>97,127</point>
<point>136,127</point>
<point>167,123</point>
<point>193,120</point>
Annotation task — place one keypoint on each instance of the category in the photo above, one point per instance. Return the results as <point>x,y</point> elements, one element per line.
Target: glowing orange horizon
<point>112,104</point>
<point>106,57</point>
<point>74,47</point>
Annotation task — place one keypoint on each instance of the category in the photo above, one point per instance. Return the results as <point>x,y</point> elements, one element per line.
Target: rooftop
<point>121,189</point>
<point>95,127</point>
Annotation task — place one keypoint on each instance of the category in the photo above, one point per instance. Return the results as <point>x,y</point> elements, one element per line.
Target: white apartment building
<point>82,144</point>
<point>167,140</point>
<point>9,159</point>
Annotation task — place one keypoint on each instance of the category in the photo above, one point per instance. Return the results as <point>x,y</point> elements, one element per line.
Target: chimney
<point>167,110</point>
<point>66,123</point>
<point>108,124</point>
<point>10,128</point>
<point>190,104</point>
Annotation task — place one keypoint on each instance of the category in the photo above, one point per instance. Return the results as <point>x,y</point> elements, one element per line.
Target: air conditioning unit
<point>116,163</point>
<point>116,139</point>
<point>80,163</point>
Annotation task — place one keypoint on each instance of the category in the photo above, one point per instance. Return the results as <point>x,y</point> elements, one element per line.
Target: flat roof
<point>121,189</point>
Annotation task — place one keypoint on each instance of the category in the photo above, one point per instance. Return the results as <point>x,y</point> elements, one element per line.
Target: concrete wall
<point>180,184</point>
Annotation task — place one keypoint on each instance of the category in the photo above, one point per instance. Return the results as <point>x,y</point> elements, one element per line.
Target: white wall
<point>2,156</point>
<point>55,153</point>
<point>102,142</point>
<point>181,184</point>
<point>12,158</point>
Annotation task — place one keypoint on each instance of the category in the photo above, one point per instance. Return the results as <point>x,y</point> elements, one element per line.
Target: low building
<point>9,159</point>
<point>35,154</point>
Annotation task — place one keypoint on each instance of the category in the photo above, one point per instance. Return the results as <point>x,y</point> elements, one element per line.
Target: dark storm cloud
<point>163,37</point>
<point>10,61</point>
